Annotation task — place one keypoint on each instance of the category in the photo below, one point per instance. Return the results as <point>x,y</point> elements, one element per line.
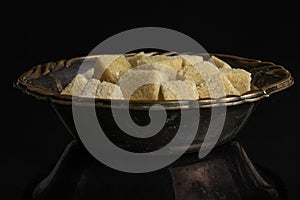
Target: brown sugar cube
<point>190,59</point>
<point>239,78</point>
<point>179,90</point>
<point>90,88</point>
<point>89,73</point>
<point>133,59</point>
<point>169,71</point>
<point>106,90</point>
<point>172,61</point>
<point>76,86</point>
<point>219,63</point>
<point>111,67</point>
<point>142,84</point>
<point>216,86</point>
<point>198,72</point>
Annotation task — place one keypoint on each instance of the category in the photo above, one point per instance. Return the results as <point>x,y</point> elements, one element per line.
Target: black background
<point>33,137</point>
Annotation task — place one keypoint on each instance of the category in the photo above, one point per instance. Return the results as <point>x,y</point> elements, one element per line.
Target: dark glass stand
<point>226,173</point>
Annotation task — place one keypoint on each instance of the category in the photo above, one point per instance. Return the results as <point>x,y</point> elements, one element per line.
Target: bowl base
<point>226,173</point>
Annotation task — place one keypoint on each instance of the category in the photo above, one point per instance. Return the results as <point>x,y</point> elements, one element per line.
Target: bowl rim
<point>251,96</point>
